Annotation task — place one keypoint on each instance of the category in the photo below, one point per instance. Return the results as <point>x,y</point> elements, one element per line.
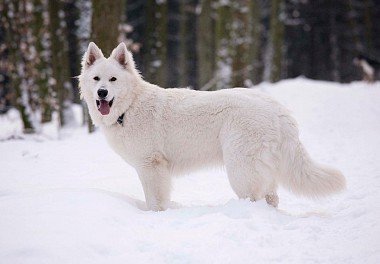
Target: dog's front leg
<point>156,182</point>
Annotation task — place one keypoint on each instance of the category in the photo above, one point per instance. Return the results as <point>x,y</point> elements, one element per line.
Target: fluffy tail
<point>299,173</point>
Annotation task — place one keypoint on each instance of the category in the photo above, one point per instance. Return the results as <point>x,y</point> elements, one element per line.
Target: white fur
<point>167,132</point>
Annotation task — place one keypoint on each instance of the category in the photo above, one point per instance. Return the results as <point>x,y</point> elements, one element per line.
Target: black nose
<point>102,93</point>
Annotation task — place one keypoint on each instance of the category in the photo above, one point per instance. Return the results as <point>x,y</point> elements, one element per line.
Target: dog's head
<point>107,84</point>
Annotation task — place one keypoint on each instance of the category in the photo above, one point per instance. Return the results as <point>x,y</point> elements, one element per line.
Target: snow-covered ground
<point>72,200</point>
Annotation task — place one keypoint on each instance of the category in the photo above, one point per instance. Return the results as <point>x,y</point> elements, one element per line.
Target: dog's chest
<point>126,142</point>
<point>114,139</point>
<point>118,141</point>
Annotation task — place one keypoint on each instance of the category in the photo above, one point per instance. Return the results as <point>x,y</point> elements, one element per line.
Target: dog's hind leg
<point>250,181</point>
<point>156,181</point>
<point>252,172</point>
<point>272,198</point>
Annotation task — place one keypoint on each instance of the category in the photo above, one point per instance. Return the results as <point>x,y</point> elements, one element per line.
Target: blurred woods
<point>201,44</point>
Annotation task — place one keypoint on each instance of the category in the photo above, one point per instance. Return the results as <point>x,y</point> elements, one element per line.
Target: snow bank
<point>72,200</point>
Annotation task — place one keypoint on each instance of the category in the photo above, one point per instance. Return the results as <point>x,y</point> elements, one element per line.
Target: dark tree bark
<point>223,46</point>
<point>16,18</point>
<point>59,58</point>
<point>106,18</point>
<point>156,41</point>
<point>240,37</point>
<point>71,18</point>
<point>255,29</point>
<point>40,33</point>
<point>173,58</point>
<point>136,18</point>
<point>188,44</point>
<point>276,39</point>
<point>206,43</point>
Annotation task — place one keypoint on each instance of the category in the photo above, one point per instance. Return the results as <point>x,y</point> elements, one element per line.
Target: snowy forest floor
<point>72,200</point>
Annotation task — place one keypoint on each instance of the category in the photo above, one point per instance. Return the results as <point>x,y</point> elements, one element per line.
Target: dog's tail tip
<point>316,181</point>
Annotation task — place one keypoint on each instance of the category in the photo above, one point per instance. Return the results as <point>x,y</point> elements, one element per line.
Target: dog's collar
<point>120,119</point>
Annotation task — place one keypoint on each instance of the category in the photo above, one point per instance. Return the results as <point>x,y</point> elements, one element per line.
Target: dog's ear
<point>92,54</point>
<point>122,56</point>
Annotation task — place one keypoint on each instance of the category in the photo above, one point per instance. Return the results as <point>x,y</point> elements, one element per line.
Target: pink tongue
<point>104,107</point>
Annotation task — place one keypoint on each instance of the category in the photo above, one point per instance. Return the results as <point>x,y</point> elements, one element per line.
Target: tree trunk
<point>206,43</point>
<point>156,42</point>
<point>135,16</point>
<point>71,19</point>
<point>276,39</point>
<point>222,45</point>
<point>241,38</point>
<point>174,18</point>
<point>40,33</point>
<point>188,44</point>
<point>255,41</point>
<point>106,18</point>
<point>59,58</point>
<point>21,59</point>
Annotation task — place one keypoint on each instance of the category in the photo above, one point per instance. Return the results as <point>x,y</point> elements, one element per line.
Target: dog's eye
<point>96,78</point>
<point>112,79</point>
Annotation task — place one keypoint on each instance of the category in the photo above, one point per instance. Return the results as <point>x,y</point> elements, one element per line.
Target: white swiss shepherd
<point>166,132</point>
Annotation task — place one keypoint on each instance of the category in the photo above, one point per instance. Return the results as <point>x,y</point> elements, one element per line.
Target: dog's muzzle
<point>104,106</point>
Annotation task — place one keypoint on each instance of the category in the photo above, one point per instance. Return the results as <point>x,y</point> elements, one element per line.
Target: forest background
<point>200,44</point>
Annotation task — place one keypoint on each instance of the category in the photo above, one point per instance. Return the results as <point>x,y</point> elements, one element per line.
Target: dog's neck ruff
<point>120,119</point>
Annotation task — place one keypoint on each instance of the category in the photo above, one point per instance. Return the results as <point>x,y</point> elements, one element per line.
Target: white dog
<point>166,132</point>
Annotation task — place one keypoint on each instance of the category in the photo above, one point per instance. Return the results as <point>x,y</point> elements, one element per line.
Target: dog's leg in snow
<point>271,197</point>
<point>250,178</point>
<point>156,181</point>
<point>251,163</point>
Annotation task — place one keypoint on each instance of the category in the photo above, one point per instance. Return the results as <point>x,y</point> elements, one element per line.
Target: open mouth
<point>104,106</point>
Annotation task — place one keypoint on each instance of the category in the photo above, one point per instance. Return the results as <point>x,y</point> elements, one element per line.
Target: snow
<point>70,199</point>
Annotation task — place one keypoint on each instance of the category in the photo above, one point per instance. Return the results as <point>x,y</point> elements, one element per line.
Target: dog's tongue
<point>104,107</point>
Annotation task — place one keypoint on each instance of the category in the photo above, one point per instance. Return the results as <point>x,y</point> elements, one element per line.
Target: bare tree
<point>156,40</point>
<point>276,40</point>
<point>206,42</point>
<point>255,31</point>
<point>188,59</point>
<point>42,67</point>
<point>240,39</point>
<point>105,25</point>
<point>16,18</point>
<point>222,45</point>
<point>59,59</point>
